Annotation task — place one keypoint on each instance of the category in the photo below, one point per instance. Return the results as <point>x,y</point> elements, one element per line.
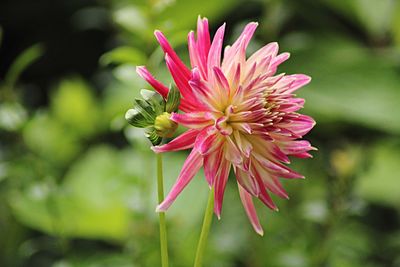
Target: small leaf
<point>155,100</point>
<point>26,58</point>
<point>136,118</point>
<point>153,137</point>
<point>173,100</point>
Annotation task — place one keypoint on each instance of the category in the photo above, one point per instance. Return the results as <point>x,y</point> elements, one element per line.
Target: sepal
<point>173,100</point>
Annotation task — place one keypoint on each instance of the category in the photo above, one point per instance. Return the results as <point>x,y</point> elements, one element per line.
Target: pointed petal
<point>246,181</point>
<point>181,80</point>
<point>244,38</point>
<point>193,120</point>
<point>263,196</point>
<point>146,75</point>
<point>214,56</point>
<point>208,140</point>
<point>232,152</point>
<point>203,41</point>
<point>269,50</point>
<point>250,210</point>
<point>212,162</point>
<point>184,141</point>
<point>168,50</point>
<point>191,166</point>
<point>220,183</point>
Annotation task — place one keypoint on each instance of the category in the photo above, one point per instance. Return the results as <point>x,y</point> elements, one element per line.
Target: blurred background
<point>77,185</point>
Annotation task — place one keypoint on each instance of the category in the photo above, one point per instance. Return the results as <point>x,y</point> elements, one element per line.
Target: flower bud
<point>164,126</point>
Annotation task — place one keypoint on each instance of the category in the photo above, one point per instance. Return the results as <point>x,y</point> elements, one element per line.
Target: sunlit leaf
<point>122,55</point>
<point>74,104</point>
<point>49,138</point>
<point>12,116</point>
<point>379,183</point>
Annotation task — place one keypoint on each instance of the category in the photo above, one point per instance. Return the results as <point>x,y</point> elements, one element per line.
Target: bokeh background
<point>77,185</point>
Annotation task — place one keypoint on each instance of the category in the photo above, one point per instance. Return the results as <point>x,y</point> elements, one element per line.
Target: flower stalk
<point>163,227</point>
<point>208,215</point>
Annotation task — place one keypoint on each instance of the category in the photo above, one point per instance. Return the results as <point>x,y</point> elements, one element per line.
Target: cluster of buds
<point>153,113</point>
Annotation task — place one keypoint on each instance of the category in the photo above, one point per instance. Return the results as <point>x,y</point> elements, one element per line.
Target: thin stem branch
<point>208,215</point>
<point>163,228</point>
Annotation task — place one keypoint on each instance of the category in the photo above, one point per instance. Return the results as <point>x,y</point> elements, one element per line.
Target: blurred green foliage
<point>77,185</point>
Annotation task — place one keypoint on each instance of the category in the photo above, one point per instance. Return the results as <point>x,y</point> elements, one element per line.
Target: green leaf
<point>173,100</point>
<point>374,16</point>
<point>12,116</point>
<point>49,138</point>
<point>379,183</point>
<point>93,201</point>
<point>26,58</point>
<point>123,55</point>
<point>349,84</point>
<point>74,104</point>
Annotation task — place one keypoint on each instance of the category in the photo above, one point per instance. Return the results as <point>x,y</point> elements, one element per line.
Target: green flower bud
<point>164,126</point>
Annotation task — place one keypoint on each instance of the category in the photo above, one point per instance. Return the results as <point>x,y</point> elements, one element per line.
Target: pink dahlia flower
<point>241,115</point>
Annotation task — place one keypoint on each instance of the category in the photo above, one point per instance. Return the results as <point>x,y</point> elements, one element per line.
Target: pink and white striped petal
<point>248,205</point>
<point>219,186</point>
<point>191,166</point>
<point>193,120</point>
<point>182,142</point>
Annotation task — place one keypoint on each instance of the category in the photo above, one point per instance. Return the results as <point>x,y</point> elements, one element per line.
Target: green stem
<point>208,215</point>
<point>163,228</point>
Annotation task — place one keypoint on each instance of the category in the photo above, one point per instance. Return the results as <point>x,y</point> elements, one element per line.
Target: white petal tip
<point>260,232</point>
<point>159,209</point>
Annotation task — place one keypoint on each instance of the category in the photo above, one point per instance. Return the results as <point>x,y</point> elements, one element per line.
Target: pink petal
<point>180,79</point>
<point>244,39</point>
<point>299,125</point>
<point>221,83</point>
<point>168,50</point>
<point>146,75</point>
<point>299,80</point>
<point>232,152</point>
<point>246,181</point>
<point>220,183</point>
<point>214,56</point>
<point>194,54</point>
<point>263,196</point>
<point>191,166</point>
<point>184,141</point>
<point>277,61</point>
<point>296,147</point>
<point>243,144</point>
<point>268,180</point>
<point>208,140</point>
<point>212,162</point>
<point>194,120</point>
<point>250,210</point>
<point>203,40</point>
<point>269,50</point>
